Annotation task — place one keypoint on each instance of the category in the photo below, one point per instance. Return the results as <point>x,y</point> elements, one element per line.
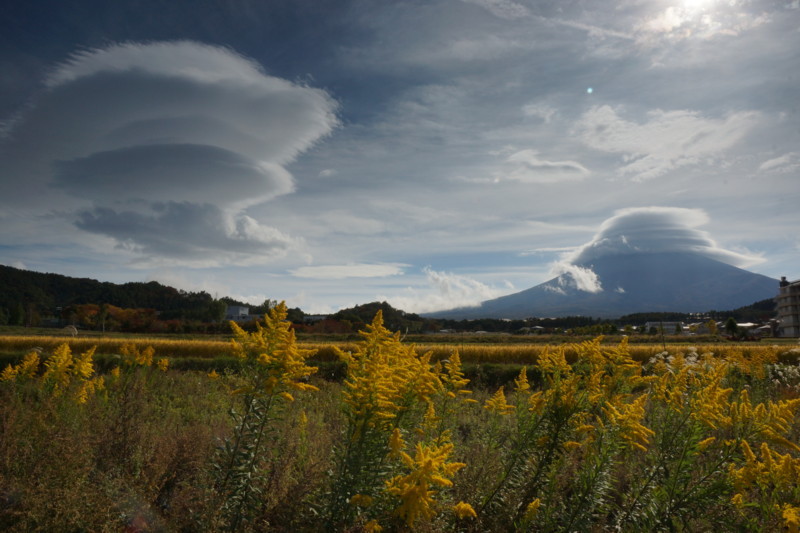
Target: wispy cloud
<point>505,9</point>
<point>445,290</point>
<point>783,164</point>
<point>698,20</point>
<point>666,140</point>
<point>356,270</point>
<point>527,166</point>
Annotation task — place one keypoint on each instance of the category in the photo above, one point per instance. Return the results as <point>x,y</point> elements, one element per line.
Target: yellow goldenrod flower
<point>82,395</point>
<point>428,469</point>
<point>749,456</point>
<point>57,369</point>
<point>737,500</point>
<point>791,518</point>
<point>521,383</point>
<point>82,366</point>
<point>497,403</point>
<point>464,510</point>
<point>537,402</point>
<point>361,500</point>
<point>372,527</point>
<point>9,373</point>
<point>532,509</point>
<point>628,418</point>
<point>26,370</point>
<point>396,444</point>
<point>115,372</point>
<point>145,357</point>
<point>384,376</point>
<point>163,364</point>
<point>571,445</point>
<point>553,362</point>
<point>273,356</point>
<point>454,378</point>
<point>29,366</point>
<point>286,396</point>
<point>430,417</point>
<point>705,443</point>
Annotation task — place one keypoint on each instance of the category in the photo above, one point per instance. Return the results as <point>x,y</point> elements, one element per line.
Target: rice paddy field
<point>522,351</point>
<point>265,432</point>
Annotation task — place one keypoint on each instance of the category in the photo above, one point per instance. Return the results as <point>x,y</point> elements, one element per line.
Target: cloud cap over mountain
<point>641,259</point>
<point>656,230</point>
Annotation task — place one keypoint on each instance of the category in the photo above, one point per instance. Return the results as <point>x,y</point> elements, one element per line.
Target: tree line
<point>42,299</point>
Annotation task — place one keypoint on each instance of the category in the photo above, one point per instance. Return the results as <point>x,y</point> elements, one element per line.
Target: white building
<point>667,328</point>
<point>237,313</point>
<point>788,303</point>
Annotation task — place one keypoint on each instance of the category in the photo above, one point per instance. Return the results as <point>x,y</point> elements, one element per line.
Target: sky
<point>431,154</point>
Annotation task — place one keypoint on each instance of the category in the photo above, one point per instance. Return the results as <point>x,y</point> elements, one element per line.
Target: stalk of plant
<point>272,365</point>
<point>389,391</point>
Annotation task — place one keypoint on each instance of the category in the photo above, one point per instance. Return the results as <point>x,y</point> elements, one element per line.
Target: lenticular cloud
<point>121,130</point>
<point>654,230</point>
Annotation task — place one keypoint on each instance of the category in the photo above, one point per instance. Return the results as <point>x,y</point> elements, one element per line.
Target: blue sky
<point>430,154</point>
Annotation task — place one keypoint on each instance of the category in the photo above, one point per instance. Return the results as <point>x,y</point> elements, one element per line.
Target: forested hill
<point>46,292</point>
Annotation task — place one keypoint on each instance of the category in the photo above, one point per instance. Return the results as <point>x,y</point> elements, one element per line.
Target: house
<point>237,313</point>
<point>668,328</point>
<point>788,304</point>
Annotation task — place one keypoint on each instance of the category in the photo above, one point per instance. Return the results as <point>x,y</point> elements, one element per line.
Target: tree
<point>712,326</point>
<point>731,327</point>
<point>17,315</point>
<point>102,315</point>
<point>216,310</point>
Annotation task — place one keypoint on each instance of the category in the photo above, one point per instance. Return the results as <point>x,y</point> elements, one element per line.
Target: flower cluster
<point>64,373</point>
<point>427,469</point>
<point>391,390</point>
<point>271,358</point>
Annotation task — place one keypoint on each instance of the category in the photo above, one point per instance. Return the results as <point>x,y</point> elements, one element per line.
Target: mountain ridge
<point>632,283</point>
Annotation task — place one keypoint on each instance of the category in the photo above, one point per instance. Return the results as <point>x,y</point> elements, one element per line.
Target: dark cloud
<point>189,232</point>
<point>164,172</point>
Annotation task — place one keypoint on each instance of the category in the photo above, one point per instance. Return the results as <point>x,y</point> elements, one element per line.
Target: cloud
<point>348,223</point>
<point>328,172</point>
<point>784,164</point>
<point>698,20</point>
<point>156,135</point>
<point>548,250</point>
<point>543,111</point>
<point>665,141</point>
<point>581,278</point>
<point>505,9</point>
<point>527,166</point>
<point>445,290</point>
<point>653,230</point>
<point>172,172</point>
<point>194,234</point>
<point>355,270</point>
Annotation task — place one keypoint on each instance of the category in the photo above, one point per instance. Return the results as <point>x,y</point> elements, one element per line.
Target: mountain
<point>45,292</point>
<point>632,283</point>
